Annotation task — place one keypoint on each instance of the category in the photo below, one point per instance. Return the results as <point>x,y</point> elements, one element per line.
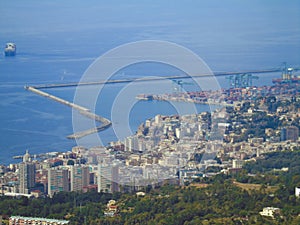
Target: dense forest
<point>220,201</point>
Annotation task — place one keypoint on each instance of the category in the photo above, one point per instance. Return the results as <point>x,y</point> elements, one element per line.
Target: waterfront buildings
<point>176,148</point>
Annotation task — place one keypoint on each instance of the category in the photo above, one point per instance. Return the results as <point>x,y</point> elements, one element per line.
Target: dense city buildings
<point>169,149</point>
<point>194,150</point>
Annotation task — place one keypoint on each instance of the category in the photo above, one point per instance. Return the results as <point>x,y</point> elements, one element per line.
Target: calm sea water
<point>57,41</point>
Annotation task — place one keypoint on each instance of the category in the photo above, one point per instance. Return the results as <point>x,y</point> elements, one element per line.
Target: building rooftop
<point>39,219</point>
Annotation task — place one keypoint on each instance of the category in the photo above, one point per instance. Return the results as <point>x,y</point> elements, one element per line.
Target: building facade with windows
<point>26,177</point>
<point>79,177</point>
<point>108,176</point>
<point>58,180</point>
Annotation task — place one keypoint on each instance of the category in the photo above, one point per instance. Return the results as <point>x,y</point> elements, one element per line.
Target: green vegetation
<point>253,124</point>
<point>226,199</point>
<point>220,203</point>
<point>276,160</point>
<point>64,205</point>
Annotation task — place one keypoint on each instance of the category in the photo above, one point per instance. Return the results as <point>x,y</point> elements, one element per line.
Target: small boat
<point>10,49</point>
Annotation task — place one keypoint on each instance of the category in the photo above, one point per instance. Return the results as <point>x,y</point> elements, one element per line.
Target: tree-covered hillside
<point>222,200</point>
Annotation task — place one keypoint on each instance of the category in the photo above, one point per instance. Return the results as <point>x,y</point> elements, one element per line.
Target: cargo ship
<point>287,77</point>
<point>282,81</point>
<point>10,49</point>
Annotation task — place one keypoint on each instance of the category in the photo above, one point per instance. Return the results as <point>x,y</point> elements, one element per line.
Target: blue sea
<point>58,40</point>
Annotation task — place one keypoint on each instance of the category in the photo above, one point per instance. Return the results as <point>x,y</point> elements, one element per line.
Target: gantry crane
<point>178,85</point>
<point>241,80</point>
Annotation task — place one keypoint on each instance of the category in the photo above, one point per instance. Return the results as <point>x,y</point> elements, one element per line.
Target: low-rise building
<point>237,164</point>
<point>111,209</point>
<point>270,211</point>
<point>297,192</point>
<point>20,220</point>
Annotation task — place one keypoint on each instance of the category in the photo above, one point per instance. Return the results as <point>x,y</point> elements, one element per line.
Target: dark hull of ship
<point>10,53</point>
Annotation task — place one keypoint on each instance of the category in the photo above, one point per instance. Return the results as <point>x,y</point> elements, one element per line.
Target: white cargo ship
<point>10,49</point>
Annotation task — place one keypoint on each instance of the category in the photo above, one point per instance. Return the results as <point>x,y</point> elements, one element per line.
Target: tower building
<point>289,133</point>
<point>58,180</point>
<point>108,176</point>
<point>79,177</point>
<point>26,177</point>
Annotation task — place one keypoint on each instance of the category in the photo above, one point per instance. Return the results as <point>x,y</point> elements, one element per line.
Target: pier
<point>59,100</point>
<point>81,134</point>
<point>175,77</point>
<point>105,123</point>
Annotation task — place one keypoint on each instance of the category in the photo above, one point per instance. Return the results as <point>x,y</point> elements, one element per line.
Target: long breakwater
<point>105,123</point>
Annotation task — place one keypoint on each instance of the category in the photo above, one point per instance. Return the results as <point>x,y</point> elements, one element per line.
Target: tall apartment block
<point>58,180</point>
<point>79,177</point>
<point>26,177</point>
<point>289,133</point>
<point>108,176</point>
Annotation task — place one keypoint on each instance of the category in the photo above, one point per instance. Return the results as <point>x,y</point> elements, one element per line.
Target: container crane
<point>178,85</point>
<point>241,80</point>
